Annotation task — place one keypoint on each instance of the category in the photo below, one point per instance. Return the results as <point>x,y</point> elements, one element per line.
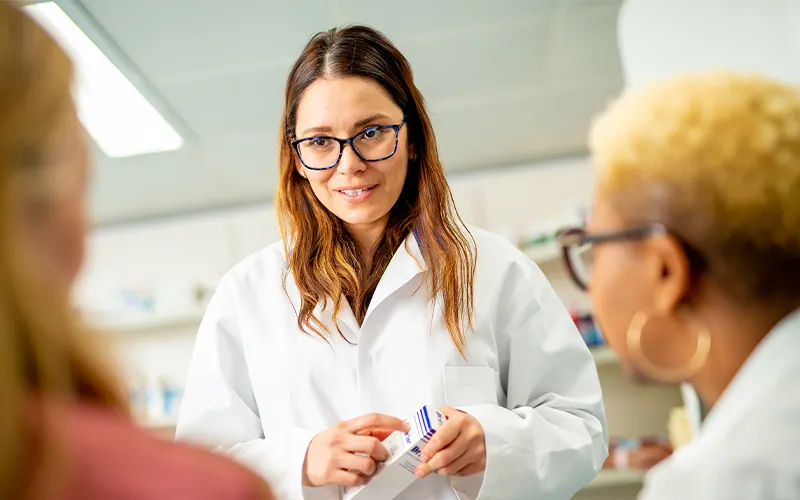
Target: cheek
<point>396,177</point>
<point>71,230</point>
<point>319,185</point>
<point>320,189</point>
<point>615,295</point>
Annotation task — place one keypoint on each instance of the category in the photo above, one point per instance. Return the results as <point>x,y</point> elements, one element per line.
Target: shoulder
<point>257,270</point>
<point>501,262</point>
<point>496,249</point>
<point>109,457</point>
<point>749,465</point>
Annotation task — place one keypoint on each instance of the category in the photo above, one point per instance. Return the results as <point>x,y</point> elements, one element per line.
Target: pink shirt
<point>107,457</point>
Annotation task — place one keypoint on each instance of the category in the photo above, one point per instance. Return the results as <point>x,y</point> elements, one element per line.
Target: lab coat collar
<point>771,361</point>
<point>405,265</point>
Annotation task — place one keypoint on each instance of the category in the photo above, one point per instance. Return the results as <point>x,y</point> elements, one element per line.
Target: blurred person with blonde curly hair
<point>64,429</point>
<point>691,257</point>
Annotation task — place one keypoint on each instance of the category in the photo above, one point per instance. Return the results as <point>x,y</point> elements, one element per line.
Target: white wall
<point>169,260</point>
<point>659,39</point>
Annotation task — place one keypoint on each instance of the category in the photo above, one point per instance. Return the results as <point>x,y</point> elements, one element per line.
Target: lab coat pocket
<point>470,385</point>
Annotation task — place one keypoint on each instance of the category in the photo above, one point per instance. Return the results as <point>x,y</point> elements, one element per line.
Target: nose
<point>350,163</point>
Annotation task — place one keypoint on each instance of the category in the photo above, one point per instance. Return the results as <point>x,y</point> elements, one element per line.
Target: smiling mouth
<point>356,192</point>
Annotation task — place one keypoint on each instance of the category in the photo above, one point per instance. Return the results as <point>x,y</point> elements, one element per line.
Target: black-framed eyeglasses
<point>577,244</point>
<point>323,152</point>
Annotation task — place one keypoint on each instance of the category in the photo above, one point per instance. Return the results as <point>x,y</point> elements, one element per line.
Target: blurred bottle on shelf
<point>162,401</point>
<point>154,397</point>
<point>172,395</point>
<point>587,327</point>
<point>137,392</point>
<point>539,239</point>
<point>679,427</point>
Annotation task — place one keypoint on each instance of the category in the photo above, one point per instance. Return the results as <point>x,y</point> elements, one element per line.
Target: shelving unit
<point>604,356</point>
<point>145,323</point>
<point>544,254</point>
<point>615,478</point>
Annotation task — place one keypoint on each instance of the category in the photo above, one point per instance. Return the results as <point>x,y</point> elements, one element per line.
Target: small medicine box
<point>397,472</point>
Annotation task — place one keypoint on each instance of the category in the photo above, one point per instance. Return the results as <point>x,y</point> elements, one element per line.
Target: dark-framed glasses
<point>323,152</point>
<point>577,244</point>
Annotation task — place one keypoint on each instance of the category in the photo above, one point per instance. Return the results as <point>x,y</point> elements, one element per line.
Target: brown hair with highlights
<point>324,259</point>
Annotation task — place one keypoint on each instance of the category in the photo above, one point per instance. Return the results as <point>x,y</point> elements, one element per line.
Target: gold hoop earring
<point>672,375</point>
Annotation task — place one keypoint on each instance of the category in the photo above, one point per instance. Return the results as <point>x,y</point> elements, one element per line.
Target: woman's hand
<point>457,449</point>
<point>347,453</point>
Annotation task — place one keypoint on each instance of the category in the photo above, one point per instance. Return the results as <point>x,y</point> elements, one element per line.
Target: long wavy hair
<point>324,259</point>
<point>44,349</point>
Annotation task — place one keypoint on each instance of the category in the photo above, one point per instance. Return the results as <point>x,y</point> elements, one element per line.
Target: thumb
<point>449,411</point>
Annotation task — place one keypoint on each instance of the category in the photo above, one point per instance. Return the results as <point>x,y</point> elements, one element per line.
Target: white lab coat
<point>749,445</point>
<point>260,389</point>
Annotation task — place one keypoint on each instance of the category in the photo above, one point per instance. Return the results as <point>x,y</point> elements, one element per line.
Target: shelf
<point>609,478</point>
<point>603,355</point>
<point>152,322</point>
<point>544,254</point>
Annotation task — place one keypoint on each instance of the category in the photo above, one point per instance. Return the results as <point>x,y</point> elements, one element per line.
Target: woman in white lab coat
<point>380,301</point>
<point>694,242</point>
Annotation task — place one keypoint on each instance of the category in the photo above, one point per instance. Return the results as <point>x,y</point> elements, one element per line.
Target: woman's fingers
<point>367,445</point>
<point>357,463</point>
<point>457,446</point>
<point>347,478</point>
<point>445,458</point>
<point>348,451</point>
<point>381,434</point>
<point>443,438</point>
<point>455,466</point>
<point>375,421</point>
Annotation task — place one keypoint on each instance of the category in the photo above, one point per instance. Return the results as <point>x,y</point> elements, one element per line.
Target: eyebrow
<point>360,123</point>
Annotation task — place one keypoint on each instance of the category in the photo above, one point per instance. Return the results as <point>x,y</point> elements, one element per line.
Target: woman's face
<point>616,286</point>
<point>358,192</point>
<point>630,277</point>
<point>55,215</point>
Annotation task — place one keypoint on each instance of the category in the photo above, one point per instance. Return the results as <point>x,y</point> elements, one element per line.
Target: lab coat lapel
<point>405,265</point>
<point>346,319</point>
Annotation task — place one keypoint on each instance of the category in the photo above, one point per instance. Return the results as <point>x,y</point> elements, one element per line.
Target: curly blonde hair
<point>715,157</point>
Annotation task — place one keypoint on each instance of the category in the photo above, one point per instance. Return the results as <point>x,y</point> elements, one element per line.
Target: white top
<point>749,446</point>
<point>260,389</point>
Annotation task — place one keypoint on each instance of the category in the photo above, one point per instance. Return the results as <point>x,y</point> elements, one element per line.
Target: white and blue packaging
<point>397,472</point>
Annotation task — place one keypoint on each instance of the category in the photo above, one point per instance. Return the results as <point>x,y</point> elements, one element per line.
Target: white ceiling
<point>506,81</point>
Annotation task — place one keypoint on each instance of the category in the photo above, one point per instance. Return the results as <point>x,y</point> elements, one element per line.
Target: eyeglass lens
<point>373,144</point>
<point>580,259</point>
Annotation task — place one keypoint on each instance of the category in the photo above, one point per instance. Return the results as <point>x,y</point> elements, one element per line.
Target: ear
<point>673,279</point>
<point>412,152</point>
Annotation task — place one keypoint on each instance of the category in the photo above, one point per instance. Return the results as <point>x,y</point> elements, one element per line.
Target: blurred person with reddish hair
<point>64,425</point>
